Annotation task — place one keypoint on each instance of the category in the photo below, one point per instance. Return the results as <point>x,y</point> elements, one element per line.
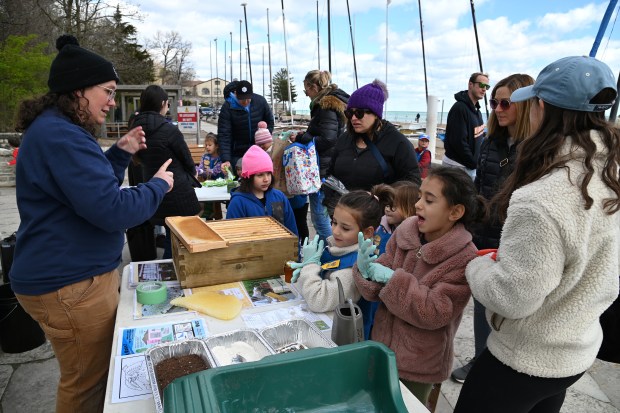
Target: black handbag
<point>332,189</point>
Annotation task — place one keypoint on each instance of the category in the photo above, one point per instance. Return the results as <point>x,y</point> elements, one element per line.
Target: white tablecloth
<point>124,318</point>
<point>213,193</point>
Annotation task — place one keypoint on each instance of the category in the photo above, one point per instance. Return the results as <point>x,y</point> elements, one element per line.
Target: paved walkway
<point>28,380</point>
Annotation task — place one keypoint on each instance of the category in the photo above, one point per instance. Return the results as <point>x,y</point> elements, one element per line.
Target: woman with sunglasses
<point>166,141</point>
<point>556,267</point>
<point>372,150</point>
<point>73,216</point>
<point>508,125</point>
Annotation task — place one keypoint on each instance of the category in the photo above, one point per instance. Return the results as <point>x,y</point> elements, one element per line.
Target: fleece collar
<point>434,252</point>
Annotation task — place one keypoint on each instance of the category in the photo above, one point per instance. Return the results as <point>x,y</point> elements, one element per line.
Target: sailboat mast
<point>601,30</point>
<point>387,5</point>
<point>247,39</point>
<point>329,36</point>
<point>473,16</point>
<point>423,52</point>
<point>270,75</point>
<point>318,42</point>
<point>288,74</point>
<point>597,41</point>
<point>352,45</point>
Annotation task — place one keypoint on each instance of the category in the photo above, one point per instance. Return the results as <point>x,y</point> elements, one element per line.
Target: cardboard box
<point>217,252</point>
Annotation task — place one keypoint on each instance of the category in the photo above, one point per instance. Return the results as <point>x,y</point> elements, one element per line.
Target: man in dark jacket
<point>465,127</point>
<point>238,120</point>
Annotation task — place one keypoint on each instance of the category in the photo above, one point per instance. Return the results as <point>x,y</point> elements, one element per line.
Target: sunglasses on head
<point>359,113</point>
<point>503,103</point>
<point>483,85</point>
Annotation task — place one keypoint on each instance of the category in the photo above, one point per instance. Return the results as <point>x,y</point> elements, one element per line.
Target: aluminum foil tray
<point>294,335</point>
<point>160,352</point>
<point>238,346</point>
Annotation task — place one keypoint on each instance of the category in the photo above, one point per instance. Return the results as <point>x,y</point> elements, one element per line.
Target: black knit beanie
<point>75,68</point>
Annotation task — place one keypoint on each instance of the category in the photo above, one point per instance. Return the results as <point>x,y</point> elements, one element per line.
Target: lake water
<point>402,117</point>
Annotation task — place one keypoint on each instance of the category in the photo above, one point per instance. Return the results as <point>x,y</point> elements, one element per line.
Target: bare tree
<point>23,18</point>
<point>171,54</point>
<point>81,18</point>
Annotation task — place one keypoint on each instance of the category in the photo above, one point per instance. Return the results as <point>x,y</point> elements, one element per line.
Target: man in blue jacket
<point>465,127</point>
<point>238,121</point>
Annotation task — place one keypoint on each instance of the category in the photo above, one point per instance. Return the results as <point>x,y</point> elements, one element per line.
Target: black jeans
<point>491,387</point>
<point>301,220</point>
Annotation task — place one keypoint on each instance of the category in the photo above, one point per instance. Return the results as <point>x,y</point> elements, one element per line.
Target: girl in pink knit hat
<point>263,138</point>
<point>256,196</point>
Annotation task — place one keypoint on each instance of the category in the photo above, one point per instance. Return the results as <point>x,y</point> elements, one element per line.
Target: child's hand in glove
<point>365,255</point>
<point>380,273</point>
<point>312,255</point>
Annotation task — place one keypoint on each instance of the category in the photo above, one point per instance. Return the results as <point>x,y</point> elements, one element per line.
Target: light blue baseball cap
<point>571,83</point>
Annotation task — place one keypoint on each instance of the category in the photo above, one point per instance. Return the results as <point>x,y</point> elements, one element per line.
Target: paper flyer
<point>131,379</point>
<point>271,290</point>
<point>138,339</point>
<point>157,270</point>
<point>266,318</point>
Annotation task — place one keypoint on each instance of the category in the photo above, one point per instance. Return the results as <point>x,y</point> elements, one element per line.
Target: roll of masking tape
<point>151,293</point>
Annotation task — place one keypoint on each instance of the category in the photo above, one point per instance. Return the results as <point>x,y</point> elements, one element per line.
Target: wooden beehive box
<point>217,252</point>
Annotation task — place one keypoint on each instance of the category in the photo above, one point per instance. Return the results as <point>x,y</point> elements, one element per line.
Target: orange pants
<point>78,320</point>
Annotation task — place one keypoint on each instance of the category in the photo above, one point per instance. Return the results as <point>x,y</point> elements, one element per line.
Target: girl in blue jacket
<point>256,196</point>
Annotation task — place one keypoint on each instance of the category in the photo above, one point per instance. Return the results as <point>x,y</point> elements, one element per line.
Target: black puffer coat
<point>165,141</point>
<point>326,124</point>
<point>495,164</point>
<point>359,169</point>
<point>236,126</point>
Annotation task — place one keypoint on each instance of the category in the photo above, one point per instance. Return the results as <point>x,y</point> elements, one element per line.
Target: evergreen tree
<point>133,63</point>
<point>280,89</point>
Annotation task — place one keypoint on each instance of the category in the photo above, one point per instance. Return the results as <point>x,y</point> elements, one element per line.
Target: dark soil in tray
<point>169,369</point>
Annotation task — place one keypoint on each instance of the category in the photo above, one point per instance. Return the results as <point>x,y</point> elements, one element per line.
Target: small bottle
<point>288,272</point>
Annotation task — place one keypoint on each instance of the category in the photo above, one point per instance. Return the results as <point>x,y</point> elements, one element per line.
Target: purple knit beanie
<point>370,96</point>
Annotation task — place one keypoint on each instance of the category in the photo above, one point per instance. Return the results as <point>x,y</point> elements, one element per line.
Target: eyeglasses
<point>503,103</point>
<point>111,92</point>
<point>484,85</point>
<point>359,113</point>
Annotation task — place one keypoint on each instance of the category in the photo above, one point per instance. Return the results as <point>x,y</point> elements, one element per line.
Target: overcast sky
<point>515,36</point>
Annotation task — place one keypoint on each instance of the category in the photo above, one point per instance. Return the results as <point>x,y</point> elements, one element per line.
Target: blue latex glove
<point>312,255</point>
<point>380,273</point>
<point>365,255</point>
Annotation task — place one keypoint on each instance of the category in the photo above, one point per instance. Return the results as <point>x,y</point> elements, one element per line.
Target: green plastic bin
<point>359,377</point>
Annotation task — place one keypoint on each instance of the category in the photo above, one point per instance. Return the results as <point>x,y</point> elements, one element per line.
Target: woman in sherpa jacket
<point>556,268</point>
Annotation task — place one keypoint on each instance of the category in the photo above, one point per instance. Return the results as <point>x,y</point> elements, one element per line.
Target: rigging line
<point>353,45</point>
<point>612,31</point>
